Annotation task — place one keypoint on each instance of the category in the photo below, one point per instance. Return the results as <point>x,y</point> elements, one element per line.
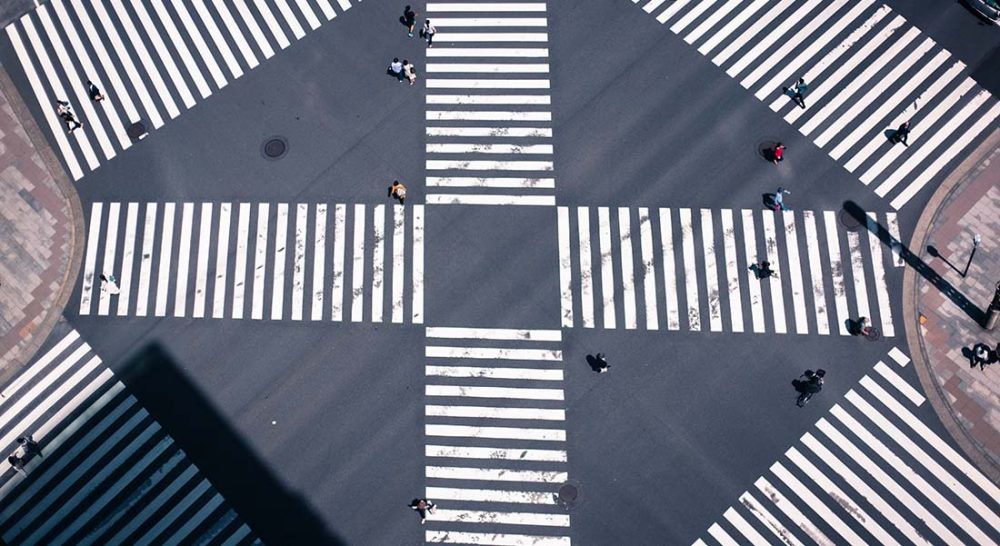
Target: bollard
<point>993,313</point>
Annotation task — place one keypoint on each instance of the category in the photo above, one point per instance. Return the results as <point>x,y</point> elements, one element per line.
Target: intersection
<point>582,178</point>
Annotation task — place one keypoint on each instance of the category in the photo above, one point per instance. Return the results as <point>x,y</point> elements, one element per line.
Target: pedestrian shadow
<point>971,356</point>
<point>914,261</point>
<point>767,199</point>
<point>756,270</point>
<point>595,365</point>
<point>766,150</point>
<point>890,135</point>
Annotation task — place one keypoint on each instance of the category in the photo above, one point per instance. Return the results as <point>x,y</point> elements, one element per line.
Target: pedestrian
<point>602,363</point>
<point>863,327</point>
<point>428,32</point>
<point>109,284</point>
<point>17,463</point>
<point>902,133</point>
<point>94,91</point>
<point>980,355</point>
<point>409,72</point>
<point>423,506</point>
<point>799,92</point>
<point>396,69</point>
<point>809,384</point>
<point>410,20</point>
<point>29,445</point>
<point>64,112</point>
<point>779,199</point>
<point>779,153</point>
<point>763,269</point>
<point>398,190</point>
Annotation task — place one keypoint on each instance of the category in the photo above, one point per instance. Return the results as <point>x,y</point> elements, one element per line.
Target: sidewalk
<point>967,399</point>
<point>41,234</point>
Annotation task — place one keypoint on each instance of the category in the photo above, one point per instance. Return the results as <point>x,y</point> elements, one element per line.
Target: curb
<point>938,399</point>
<point>55,169</point>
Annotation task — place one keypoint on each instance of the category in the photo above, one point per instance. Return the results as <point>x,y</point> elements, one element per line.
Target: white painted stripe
<point>339,243</point>
<point>886,106</point>
<point>216,35</point>
<point>327,9</point>
<point>443,37</point>
<point>495,373</point>
<point>816,273</point>
<point>858,273</point>
<point>485,7</point>
<point>128,258</point>
<point>289,17</point>
<point>706,25</point>
<point>489,22</point>
<point>565,268</point>
<point>628,272</point>
<point>862,487</point>
<point>308,13</point>
<point>280,244</point>
<point>836,271</point>
<point>491,495</point>
<point>750,247</point>
<point>901,385</point>
<point>812,501</point>
<point>671,10</point>
<point>221,260</point>
<point>607,267</point>
<point>777,297</point>
<point>251,23</point>
<point>935,441</point>
<point>146,262</point>
<point>721,535</point>
<point>744,527</point>
<point>202,47</point>
<point>491,353</point>
<point>888,483</point>
<point>183,260</point>
<point>489,68</point>
<point>90,261</point>
<point>452,83</point>
<point>144,57</point>
<point>462,199</point>
<point>778,33</point>
<point>501,433</point>
<point>768,520</point>
<point>487,412</point>
<point>733,270</point>
<point>669,270</point>
<point>690,270</point>
<point>194,520</point>
<point>260,261</point>
<point>378,262</point>
<point>892,224</point>
<point>502,52</point>
<point>751,32</point>
<point>691,15</point>
<point>344,4</point>
<point>489,99</point>
<point>166,250</point>
<point>272,23</point>
<point>494,474</point>
<point>899,356</point>
<point>788,508</point>
<point>201,272</point>
<point>486,115</point>
<point>960,143</point>
<point>319,262</point>
<point>586,272</point>
<point>185,53</point>
<point>711,271</point>
<point>504,132</point>
<point>299,263</point>
<point>170,517</point>
<point>398,262</point>
<point>926,97</point>
<point>501,518</point>
<point>881,286</point>
<point>494,392</point>
<point>495,539</point>
<point>234,30</point>
<point>496,453</point>
<point>418,264</point>
<point>108,264</point>
<point>358,270</point>
<point>648,269</point>
<point>493,333</point>
<point>795,271</point>
<point>240,535</point>
<point>163,53</point>
<point>39,365</point>
<point>439,148</point>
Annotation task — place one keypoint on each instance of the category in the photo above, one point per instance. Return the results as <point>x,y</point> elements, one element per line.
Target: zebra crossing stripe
<point>491,495</point>
<point>607,267</point>
<point>495,373</point>
<point>222,261</point>
<point>234,29</point>
<point>272,23</point>
<point>185,54</point>
<point>816,274</point>
<point>690,270</point>
<point>146,262</point>
<point>836,271</point>
<point>299,260</point>
<point>733,24</point>
<point>648,269</point>
<point>711,272</point>
<point>260,261</point>
<point>496,453</point>
<point>278,275</point>
<point>510,518</point>
<point>489,22</point>
<point>319,262</point>
<point>252,26</point>
<point>497,539</point>
<point>110,244</point>
<point>213,31</point>
<point>485,7</point>
<point>240,276</point>
<point>357,275</point>
<point>166,254</point>
<point>721,535</point>
<point>858,273</point>
<point>777,296</point>
<point>565,268</point>
<point>512,334</point>
<point>183,259</point>
<point>398,262</point>
<point>161,50</point>
<point>881,289</point>
<point>674,8</point>
<point>289,17</point>
<point>669,269</point>
<point>713,19</point>
<point>732,270</point>
<point>744,527</point>
<point>750,248</point>
<point>489,68</point>
<point>818,506</point>
<point>793,513</point>
<point>628,272</point>
<point>489,412</point>
<point>690,16</point>
<point>128,258</point>
<point>464,52</point>
<point>777,33</point>
<point>443,37</point>
<point>308,13</point>
<point>157,503</point>
<point>494,392</point>
<point>586,273</point>
<point>794,268</point>
<point>339,243</point>
<point>201,267</point>
<point>440,148</point>
<point>490,353</point>
<point>378,261</point>
<point>512,132</point>
<point>200,45</point>
<point>902,386</point>
<point>772,523</point>
<point>495,474</point>
<point>496,433</point>
<point>507,83</point>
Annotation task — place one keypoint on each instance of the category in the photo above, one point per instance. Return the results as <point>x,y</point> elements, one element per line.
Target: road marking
<point>260,261</point>
<point>510,518</point>
<point>648,269</point>
<point>128,258</point>
<point>793,513</point>
<point>497,433</point>
<point>201,273</point>
<point>144,57</point>
<point>497,539</point>
<point>494,474</point>
<point>812,501</point>
<point>216,35</point>
<point>777,297</point>
<point>756,298</point>
<point>436,148</point>
<point>690,270</point>
<point>767,519</point>
<point>463,199</point>
<point>795,271</point>
<point>892,225</point>
<point>628,272</point>
<point>488,99</point>
<point>242,244</point>
<point>443,37</point>
<point>272,23</point>
<point>607,267</point>
<point>690,16</point>
<point>293,23</point>
<point>358,271</point>
<point>234,30</point>
<point>319,263</point>
<point>531,374</point>
<point>493,353</point>
<point>339,242</point>
<point>734,23</point>
<point>278,279</point>
<point>327,9</point>
<point>251,23</point>
<point>816,273</point>
<point>881,287</point>
<point>151,32</point>
<point>744,527</point>
<point>308,13</point>
<point>486,115</point>
<point>711,271</point>
<point>496,453</point>
<point>899,357</point>
<point>586,272</point>
<point>716,16</point>
<point>202,47</point>
<point>489,68</point>
<point>146,262</point>
<point>221,261</point>
<point>901,385</point>
<point>751,32</point>
<point>485,7</point>
<point>186,58</point>
<point>108,264</point>
<point>669,269</point>
<point>836,271</point>
<point>565,268</point>
<point>299,263</point>
<point>489,22</point>
<point>487,412</point>
<point>183,260</point>
<point>858,273</point>
<point>418,265</point>
<point>491,495</point>
<point>504,52</point>
<point>732,270</point>
<point>453,83</point>
<point>166,249</point>
<point>505,132</point>
<point>778,33</point>
<point>721,535</point>
<point>494,392</point>
<point>666,14</point>
<point>90,262</point>
<point>378,261</point>
<point>398,261</point>
<point>493,333</point>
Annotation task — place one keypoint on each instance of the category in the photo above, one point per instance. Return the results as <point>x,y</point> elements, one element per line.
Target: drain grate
<point>274,148</point>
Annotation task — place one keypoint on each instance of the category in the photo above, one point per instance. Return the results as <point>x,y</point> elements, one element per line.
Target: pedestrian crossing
<point>150,59</point>
<point>867,70</point>
<point>496,440</point>
<point>107,473</point>
<point>871,473</point>
<point>692,269</point>
<point>276,261</point>
<point>489,114</point>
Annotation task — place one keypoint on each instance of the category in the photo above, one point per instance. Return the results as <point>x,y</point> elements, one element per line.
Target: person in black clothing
<point>422,506</point>
<point>902,133</point>
<point>94,92</point>
<point>410,20</point>
<point>64,112</point>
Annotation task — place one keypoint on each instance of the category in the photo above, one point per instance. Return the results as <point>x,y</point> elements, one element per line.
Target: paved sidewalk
<point>967,399</point>
<point>41,234</point>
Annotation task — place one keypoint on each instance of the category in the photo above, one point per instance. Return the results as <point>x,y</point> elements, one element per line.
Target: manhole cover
<point>275,148</point>
<point>136,131</point>
<point>568,493</point>
<point>849,221</point>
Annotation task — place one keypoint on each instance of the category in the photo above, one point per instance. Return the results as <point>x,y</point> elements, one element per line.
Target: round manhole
<point>849,221</point>
<point>136,131</point>
<point>275,148</point>
<point>568,493</point>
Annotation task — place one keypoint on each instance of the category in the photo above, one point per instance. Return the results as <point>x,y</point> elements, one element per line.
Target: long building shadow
<point>913,260</point>
<point>276,514</point>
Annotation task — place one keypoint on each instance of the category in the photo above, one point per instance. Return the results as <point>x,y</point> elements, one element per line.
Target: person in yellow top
<point>398,190</point>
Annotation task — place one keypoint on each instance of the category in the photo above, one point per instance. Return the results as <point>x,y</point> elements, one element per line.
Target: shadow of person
<point>402,20</point>
<point>890,135</point>
<point>971,356</point>
<point>853,327</point>
<point>595,365</point>
<point>768,200</point>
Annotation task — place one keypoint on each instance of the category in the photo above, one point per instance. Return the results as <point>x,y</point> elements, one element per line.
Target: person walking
<point>410,20</point>
<point>779,199</point>
<point>779,153</point>
<point>428,32</point>
<point>799,91</point>
<point>110,284</point>
<point>602,363</point>
<point>94,92</point>
<point>902,133</point>
<point>980,355</point>
<point>423,506</point>
<point>17,463</point>
<point>29,445</point>
<point>396,69</point>
<point>398,191</point>
<point>409,72</point>
<point>64,112</point>
<point>762,270</point>
<point>809,384</point>
<point>863,327</point>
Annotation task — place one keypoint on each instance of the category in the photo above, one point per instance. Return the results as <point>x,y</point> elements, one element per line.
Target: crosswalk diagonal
<point>868,70</point>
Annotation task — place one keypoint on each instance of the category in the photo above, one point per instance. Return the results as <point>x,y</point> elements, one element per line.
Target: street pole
<point>975,244</point>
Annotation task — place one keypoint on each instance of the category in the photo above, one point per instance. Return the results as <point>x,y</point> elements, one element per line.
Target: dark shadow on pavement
<point>276,514</point>
<point>933,251</point>
<point>595,365</point>
<point>912,260</point>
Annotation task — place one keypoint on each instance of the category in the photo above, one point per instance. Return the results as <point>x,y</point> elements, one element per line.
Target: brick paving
<point>40,225</point>
<point>972,395</point>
